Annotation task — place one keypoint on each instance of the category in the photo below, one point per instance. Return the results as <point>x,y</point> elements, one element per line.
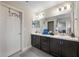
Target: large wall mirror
<point>60,21</point>
<point>63,23</point>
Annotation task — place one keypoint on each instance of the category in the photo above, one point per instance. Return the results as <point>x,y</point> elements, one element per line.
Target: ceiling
<point>36,6</point>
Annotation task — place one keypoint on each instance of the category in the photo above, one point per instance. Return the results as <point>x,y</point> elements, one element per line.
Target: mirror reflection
<point>60,24</point>
<point>63,23</point>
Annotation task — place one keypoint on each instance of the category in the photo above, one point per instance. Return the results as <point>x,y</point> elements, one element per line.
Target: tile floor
<point>32,52</point>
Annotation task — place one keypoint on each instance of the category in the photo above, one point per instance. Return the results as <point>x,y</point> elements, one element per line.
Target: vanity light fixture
<point>65,7</point>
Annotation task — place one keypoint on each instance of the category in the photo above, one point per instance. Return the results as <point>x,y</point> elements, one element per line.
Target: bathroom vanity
<point>56,45</point>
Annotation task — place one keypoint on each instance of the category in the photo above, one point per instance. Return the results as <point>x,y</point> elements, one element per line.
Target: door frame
<point>21,22</point>
<point>48,25</point>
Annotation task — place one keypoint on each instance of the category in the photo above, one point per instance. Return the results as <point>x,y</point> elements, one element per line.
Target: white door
<point>10,41</point>
<point>13,32</point>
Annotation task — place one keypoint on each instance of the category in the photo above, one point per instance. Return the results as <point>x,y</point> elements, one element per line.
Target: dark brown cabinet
<point>69,48</point>
<point>55,46</point>
<point>45,44</point>
<point>78,49</point>
<point>64,48</point>
<point>35,41</point>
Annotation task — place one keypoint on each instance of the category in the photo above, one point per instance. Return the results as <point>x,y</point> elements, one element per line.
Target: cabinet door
<point>69,48</point>
<point>55,47</point>
<point>78,49</point>
<point>35,41</point>
<point>45,44</point>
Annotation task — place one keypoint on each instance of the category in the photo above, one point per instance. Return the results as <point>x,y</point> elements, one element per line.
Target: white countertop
<point>58,36</point>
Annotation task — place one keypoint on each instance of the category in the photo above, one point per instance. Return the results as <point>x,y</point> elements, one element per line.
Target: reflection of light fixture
<point>34,19</point>
<point>68,6</point>
<point>39,16</point>
<point>59,9</point>
<point>65,7</point>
